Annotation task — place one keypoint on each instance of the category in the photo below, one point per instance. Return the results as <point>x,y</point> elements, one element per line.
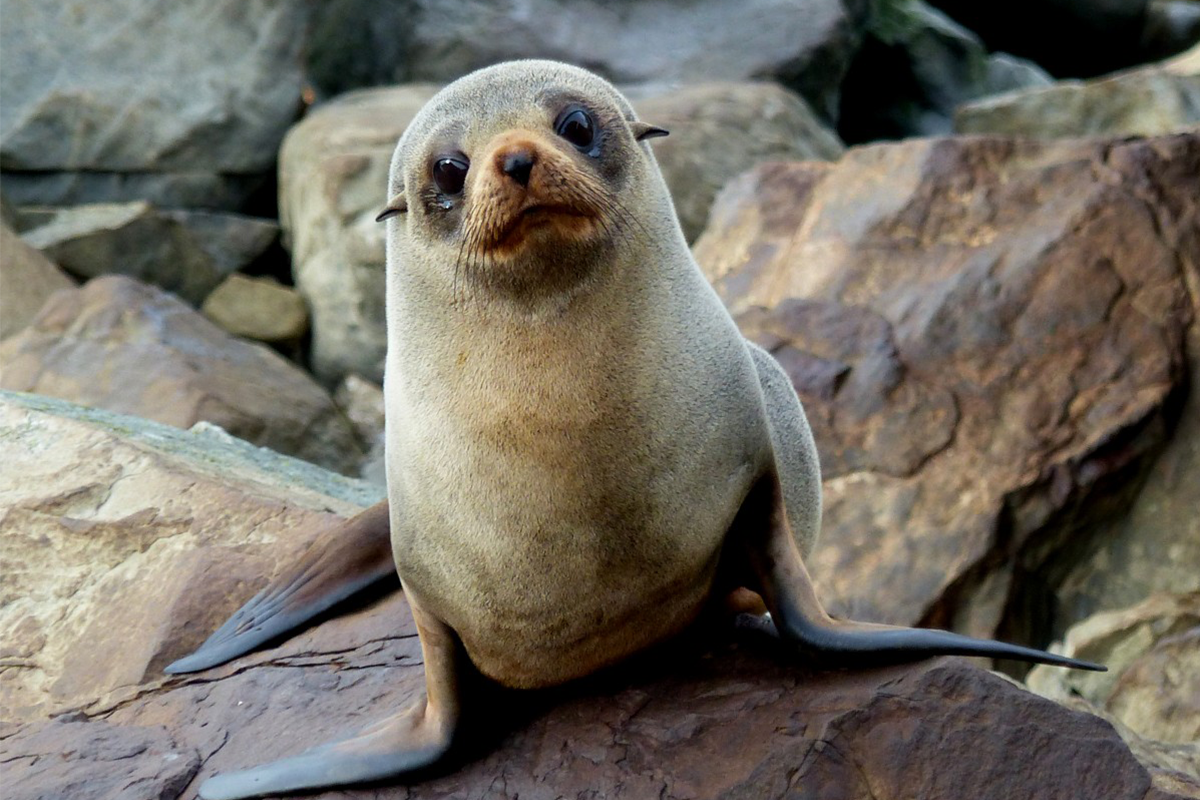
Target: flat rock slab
<point>741,720</point>
<point>94,760</point>
<point>126,542</point>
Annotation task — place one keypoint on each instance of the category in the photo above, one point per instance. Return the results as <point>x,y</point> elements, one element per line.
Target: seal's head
<point>517,178</point>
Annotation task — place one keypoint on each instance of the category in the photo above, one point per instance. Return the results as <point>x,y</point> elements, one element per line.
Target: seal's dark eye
<point>449,174</point>
<point>578,128</point>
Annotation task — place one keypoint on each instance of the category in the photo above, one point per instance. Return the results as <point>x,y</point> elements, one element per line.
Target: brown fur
<point>574,418</point>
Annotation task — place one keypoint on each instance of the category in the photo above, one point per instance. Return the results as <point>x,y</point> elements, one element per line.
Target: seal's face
<point>513,179</point>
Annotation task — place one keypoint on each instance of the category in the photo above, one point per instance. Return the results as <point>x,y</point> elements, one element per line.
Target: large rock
<point>990,344</point>
<point>722,722</point>
<point>1147,101</point>
<point>195,93</point>
<point>1152,652</point>
<point>332,184</point>
<point>807,43</point>
<point>131,540</point>
<point>257,308</point>
<point>719,130</point>
<point>27,279</point>
<point>125,542</point>
<point>128,347</point>
<point>333,174</point>
<point>185,252</point>
<point>915,67</point>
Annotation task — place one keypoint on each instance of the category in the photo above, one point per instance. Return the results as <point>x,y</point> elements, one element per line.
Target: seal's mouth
<point>567,222</point>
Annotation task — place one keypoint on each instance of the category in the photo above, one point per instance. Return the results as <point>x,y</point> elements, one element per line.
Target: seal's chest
<point>542,593</point>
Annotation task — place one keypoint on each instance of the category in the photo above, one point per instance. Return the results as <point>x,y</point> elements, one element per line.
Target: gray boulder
<point>719,130</point>
<point>332,183</point>
<point>185,252</point>
<point>805,43</point>
<point>198,91</point>
<point>1076,38</point>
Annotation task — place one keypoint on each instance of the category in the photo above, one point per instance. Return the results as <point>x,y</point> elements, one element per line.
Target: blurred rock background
<point>969,231</point>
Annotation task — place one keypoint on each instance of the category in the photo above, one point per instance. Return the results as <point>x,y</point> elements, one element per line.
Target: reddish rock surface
<point>738,720</point>
<point>125,346</point>
<point>989,336</point>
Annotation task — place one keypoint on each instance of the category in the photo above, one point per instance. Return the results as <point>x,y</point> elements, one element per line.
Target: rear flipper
<point>343,561</point>
<point>407,741</point>
<point>789,595</point>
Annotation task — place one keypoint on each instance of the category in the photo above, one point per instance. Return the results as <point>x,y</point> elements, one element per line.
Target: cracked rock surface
<point>697,719</point>
<point>126,542</point>
<point>990,337</point>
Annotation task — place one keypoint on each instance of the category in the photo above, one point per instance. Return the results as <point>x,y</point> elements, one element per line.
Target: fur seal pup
<point>581,447</point>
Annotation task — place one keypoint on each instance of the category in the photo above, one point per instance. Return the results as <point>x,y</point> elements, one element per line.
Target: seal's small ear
<point>397,205</point>
<point>644,130</point>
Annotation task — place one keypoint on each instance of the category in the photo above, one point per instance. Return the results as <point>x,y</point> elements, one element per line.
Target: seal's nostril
<point>518,166</point>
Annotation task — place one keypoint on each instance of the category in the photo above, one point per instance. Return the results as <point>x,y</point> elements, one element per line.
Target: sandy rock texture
<point>27,279</point>
<point>125,542</point>
<point>257,308</point>
<point>128,347</point>
<point>1145,101</point>
<point>989,337</point>
<point>1152,651</point>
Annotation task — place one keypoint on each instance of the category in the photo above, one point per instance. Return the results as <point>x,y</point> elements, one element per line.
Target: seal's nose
<point>517,165</point>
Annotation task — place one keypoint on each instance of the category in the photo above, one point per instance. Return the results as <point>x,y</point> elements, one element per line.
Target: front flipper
<point>410,740</point>
<point>790,597</point>
<point>343,561</point>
